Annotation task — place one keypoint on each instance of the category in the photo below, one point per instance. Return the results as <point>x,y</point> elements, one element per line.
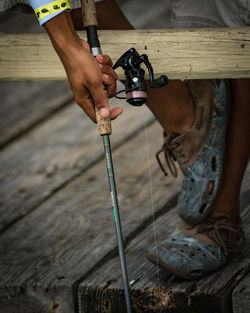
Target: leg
<point>172,106</point>
<point>238,149</point>
<point>174,110</point>
<point>180,253</point>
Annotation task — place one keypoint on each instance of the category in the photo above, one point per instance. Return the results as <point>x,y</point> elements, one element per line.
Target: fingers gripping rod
<point>104,128</point>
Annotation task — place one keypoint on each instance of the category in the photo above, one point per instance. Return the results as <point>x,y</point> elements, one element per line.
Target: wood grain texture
<point>181,54</point>
<point>24,104</point>
<point>43,160</point>
<point>162,292</point>
<point>45,254</point>
<point>241,296</point>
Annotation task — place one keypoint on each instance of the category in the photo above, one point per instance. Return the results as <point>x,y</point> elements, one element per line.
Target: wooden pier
<point>58,249</point>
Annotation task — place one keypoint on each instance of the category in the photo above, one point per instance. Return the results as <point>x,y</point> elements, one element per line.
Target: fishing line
<point>152,198</point>
<point>136,95</point>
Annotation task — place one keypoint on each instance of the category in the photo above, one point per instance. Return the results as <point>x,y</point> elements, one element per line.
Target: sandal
<point>200,151</point>
<point>193,253</point>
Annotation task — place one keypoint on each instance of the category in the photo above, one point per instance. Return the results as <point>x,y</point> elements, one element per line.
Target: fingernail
<point>101,66</point>
<point>104,112</point>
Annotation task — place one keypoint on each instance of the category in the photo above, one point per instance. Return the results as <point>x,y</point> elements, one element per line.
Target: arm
<point>85,75</point>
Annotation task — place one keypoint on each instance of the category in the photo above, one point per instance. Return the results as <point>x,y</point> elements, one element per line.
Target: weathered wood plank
<point>24,104</point>
<point>35,166</point>
<point>161,292</point>
<point>45,254</point>
<point>181,54</point>
<point>241,296</point>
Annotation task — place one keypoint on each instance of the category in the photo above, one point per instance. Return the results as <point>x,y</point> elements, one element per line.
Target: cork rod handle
<point>103,124</point>
<point>89,13</point>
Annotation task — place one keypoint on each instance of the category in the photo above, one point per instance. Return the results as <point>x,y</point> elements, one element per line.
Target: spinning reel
<point>135,87</point>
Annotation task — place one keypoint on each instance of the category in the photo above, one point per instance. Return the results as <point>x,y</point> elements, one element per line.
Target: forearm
<point>62,33</point>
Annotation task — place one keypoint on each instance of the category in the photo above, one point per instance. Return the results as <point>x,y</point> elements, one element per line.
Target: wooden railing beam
<point>181,54</point>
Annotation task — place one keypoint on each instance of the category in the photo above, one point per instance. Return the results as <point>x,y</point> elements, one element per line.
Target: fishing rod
<point>136,94</point>
<point>104,128</point>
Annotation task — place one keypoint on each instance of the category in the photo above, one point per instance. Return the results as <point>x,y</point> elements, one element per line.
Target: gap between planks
<point>26,104</point>
<point>103,290</point>
<point>45,254</point>
<point>37,165</point>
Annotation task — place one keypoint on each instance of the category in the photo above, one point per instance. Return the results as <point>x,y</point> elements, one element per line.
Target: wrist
<point>62,33</point>
<point>46,10</point>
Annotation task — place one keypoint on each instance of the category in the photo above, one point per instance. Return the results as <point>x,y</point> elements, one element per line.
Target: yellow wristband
<point>51,8</point>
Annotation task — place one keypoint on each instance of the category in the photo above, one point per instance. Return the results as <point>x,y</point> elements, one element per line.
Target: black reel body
<point>135,88</point>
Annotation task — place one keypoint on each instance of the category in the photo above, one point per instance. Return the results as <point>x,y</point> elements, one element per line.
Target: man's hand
<point>85,75</point>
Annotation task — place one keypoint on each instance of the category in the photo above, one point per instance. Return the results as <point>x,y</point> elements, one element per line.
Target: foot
<point>200,150</point>
<point>191,253</point>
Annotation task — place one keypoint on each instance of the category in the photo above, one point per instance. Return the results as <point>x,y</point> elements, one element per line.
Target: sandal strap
<point>168,149</point>
<point>186,147</point>
<point>224,232</point>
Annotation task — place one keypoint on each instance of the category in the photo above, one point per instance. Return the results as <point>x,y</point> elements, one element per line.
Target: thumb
<point>101,102</point>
